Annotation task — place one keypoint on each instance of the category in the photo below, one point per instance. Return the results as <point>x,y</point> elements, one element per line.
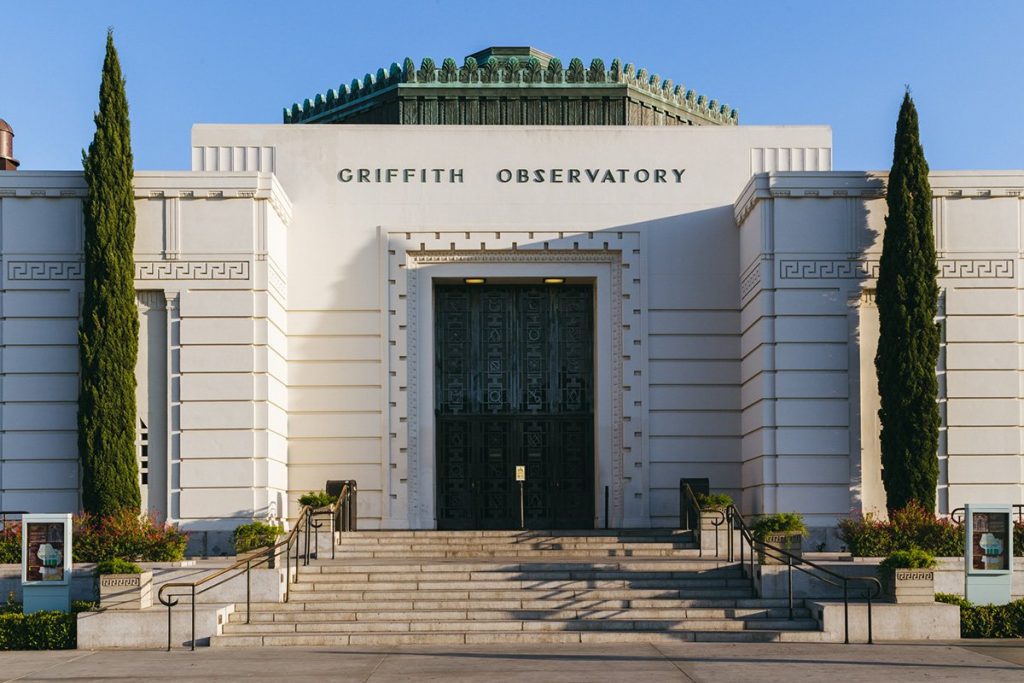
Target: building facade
<point>421,308</point>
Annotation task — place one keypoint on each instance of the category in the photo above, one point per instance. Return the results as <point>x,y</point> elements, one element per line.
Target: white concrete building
<point>306,315</point>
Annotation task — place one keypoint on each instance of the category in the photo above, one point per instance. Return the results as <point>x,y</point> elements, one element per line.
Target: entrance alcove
<point>417,262</point>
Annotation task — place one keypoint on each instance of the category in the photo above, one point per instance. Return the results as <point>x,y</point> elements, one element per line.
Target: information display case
<point>988,553</point>
<point>46,562</point>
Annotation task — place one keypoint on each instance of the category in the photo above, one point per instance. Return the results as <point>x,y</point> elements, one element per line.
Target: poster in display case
<point>46,549</point>
<point>990,539</point>
<point>988,553</point>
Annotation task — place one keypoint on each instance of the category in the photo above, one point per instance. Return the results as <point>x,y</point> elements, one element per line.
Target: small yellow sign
<point>520,472</point>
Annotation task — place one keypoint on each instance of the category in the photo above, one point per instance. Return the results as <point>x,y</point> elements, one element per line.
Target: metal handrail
<point>735,522</point>
<point>957,515</point>
<point>306,521</point>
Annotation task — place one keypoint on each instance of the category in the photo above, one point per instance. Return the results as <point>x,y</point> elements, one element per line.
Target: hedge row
<point>911,527</point>
<point>124,535</point>
<point>987,621</point>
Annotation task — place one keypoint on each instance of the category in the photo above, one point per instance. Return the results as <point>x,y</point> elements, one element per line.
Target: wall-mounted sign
<point>46,562</point>
<point>988,553</point>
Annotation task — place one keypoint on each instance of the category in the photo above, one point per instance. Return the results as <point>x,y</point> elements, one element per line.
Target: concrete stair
<point>478,587</point>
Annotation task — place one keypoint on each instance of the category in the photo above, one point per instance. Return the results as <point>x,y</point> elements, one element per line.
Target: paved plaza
<point>975,661</point>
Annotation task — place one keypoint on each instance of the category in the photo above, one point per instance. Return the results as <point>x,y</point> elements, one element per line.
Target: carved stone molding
<point>409,252</point>
<point>842,269</point>
<point>45,270</point>
<point>750,280</point>
<point>191,270</point>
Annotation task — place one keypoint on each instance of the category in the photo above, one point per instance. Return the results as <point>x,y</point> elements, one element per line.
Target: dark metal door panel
<point>514,387</point>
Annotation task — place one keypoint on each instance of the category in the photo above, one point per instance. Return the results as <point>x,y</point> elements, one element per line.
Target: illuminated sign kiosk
<point>46,562</point>
<point>989,554</point>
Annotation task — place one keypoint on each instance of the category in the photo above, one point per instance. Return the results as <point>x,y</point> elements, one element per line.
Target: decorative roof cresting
<point>505,72</point>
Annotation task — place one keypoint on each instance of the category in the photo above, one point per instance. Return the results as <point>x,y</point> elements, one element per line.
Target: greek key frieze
<point>111,582</point>
<point>192,270</point>
<point>818,269</point>
<point>914,575</point>
<point>976,268</point>
<point>825,269</point>
<point>45,270</point>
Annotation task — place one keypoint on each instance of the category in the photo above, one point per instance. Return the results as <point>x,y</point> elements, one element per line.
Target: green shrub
<point>911,527</point>
<point>126,535</point>
<point>10,543</point>
<point>116,565</point>
<point>915,558</point>
<point>715,501</point>
<point>38,631</point>
<point>255,535</point>
<point>779,523</point>
<point>316,499</point>
<point>987,621</point>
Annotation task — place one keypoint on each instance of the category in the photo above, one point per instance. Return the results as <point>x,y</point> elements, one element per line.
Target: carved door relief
<point>514,386</point>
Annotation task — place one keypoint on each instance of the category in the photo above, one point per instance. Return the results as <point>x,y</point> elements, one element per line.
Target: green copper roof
<point>511,72</point>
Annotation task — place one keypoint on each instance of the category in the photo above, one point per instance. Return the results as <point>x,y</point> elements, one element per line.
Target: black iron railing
<point>734,522</point>
<point>957,515</point>
<point>299,546</point>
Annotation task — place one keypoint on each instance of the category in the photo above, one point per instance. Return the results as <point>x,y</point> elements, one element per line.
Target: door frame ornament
<point>612,261</point>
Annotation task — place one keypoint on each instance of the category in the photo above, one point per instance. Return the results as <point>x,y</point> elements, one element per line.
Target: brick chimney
<point>7,160</point>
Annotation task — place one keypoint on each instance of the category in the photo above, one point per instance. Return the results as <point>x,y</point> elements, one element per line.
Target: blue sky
<point>841,63</point>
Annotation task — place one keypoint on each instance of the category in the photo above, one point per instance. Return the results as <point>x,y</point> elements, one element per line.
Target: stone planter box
<point>791,543</point>
<point>126,591</point>
<point>908,586</point>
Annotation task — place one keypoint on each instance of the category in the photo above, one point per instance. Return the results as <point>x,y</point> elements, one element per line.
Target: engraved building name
<point>514,176</point>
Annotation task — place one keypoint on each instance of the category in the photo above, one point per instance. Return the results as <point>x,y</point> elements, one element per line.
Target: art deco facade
<point>660,301</point>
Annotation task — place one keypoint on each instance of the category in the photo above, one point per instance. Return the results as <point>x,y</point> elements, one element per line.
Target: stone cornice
<point>505,74</point>
<point>215,185</point>
<point>153,184</point>
<point>53,184</point>
<point>871,184</point>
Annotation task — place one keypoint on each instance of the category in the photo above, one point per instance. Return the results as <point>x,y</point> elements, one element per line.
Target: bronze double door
<point>514,386</point>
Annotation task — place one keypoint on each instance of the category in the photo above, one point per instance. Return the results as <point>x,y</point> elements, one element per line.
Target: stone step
<point>512,637</point>
<point>348,566</point>
<point>631,625</point>
<point>474,613</point>
<point>477,593</point>
<point>323,589</point>
<point>529,602</point>
<point>434,534</point>
<point>525,575</point>
<point>546,544</point>
<point>553,544</point>
<point>498,552</point>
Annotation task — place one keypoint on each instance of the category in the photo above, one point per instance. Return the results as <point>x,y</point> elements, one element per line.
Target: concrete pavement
<point>713,662</point>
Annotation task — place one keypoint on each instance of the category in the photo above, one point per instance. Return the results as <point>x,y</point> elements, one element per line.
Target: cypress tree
<point>908,342</point>
<point>109,332</point>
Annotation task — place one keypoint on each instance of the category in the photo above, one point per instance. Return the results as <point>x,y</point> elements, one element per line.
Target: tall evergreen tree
<point>109,332</point>
<point>908,342</point>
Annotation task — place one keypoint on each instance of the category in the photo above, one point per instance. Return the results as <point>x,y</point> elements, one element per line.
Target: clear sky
<point>838,62</point>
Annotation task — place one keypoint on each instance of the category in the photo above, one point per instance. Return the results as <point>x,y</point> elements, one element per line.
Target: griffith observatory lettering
<point>591,175</point>
<point>504,176</point>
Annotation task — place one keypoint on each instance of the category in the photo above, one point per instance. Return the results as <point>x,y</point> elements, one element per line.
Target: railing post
<point>871,639</point>
<point>193,617</point>
<point>605,507</point>
<point>168,624</point>
<point>248,590</point>
<point>729,530</point>
<point>287,568</point>
<point>846,612</point>
<point>334,531</point>
<point>790,581</point>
